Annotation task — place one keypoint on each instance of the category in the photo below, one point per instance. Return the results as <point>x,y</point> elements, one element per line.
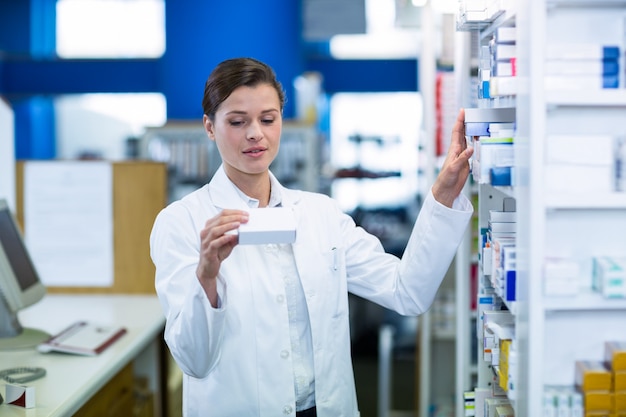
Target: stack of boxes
<point>572,168</point>
<point>595,383</point>
<point>500,242</point>
<point>496,333</point>
<point>491,131</point>
<point>615,359</point>
<point>602,384</point>
<point>581,66</point>
<point>503,54</point>
<point>561,277</point>
<point>562,401</point>
<point>498,64</point>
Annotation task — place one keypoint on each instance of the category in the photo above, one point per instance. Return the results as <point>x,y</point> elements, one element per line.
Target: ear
<point>208,127</point>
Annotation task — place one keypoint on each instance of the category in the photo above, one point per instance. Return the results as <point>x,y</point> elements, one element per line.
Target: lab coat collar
<point>224,194</point>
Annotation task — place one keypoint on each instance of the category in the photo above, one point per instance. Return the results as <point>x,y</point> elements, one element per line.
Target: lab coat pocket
<point>336,287</point>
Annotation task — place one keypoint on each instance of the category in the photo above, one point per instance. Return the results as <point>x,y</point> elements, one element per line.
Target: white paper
<point>7,155</point>
<point>68,219</point>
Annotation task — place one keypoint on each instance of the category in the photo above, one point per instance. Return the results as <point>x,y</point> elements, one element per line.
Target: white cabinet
<point>571,207</point>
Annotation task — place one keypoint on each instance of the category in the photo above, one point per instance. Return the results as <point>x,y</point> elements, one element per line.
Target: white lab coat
<point>236,358</point>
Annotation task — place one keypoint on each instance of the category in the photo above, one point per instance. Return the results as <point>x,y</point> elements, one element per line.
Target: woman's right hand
<point>215,246</point>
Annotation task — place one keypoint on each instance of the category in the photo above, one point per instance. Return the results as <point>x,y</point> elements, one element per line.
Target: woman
<point>263,330</point>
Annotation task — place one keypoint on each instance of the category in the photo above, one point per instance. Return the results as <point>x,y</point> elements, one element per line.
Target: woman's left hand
<point>456,167</point>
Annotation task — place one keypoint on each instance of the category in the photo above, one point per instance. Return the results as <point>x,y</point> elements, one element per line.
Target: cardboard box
<point>268,225</point>
<point>609,276</point>
<point>619,403</point>
<point>615,355</point>
<point>598,400</point>
<point>619,381</point>
<point>593,376</point>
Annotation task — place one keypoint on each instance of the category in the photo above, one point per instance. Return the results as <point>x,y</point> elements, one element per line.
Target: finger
<point>458,142</point>
<point>219,249</point>
<point>224,242</point>
<point>230,212</point>
<point>458,131</point>
<point>229,215</point>
<point>467,153</point>
<point>217,232</point>
<point>226,217</point>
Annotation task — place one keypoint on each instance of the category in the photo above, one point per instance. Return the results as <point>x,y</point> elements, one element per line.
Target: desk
<point>71,381</point>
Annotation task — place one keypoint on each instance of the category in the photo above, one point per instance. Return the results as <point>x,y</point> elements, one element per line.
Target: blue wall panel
<point>35,137</point>
<point>15,27</point>
<point>201,34</point>
<point>366,75</point>
<point>24,77</point>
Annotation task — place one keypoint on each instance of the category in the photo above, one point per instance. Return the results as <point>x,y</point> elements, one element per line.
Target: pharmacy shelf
<point>589,201</point>
<point>560,222</point>
<point>603,98</point>
<point>503,17</point>
<point>586,3</point>
<point>586,301</point>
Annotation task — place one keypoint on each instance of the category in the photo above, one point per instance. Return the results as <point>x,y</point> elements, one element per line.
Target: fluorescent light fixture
<point>389,45</point>
<point>110,28</point>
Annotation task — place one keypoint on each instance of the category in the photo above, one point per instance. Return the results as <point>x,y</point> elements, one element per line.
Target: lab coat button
<point>284,354</point>
<point>280,298</point>
<point>287,410</point>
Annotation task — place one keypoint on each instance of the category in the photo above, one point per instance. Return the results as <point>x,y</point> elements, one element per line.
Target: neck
<point>256,186</point>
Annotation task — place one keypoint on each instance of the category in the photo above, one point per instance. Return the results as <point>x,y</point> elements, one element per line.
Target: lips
<point>255,150</point>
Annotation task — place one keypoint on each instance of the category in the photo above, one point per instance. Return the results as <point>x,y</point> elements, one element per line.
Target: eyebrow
<point>272,110</point>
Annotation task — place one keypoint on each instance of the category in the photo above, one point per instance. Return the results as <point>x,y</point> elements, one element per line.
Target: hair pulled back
<point>232,74</point>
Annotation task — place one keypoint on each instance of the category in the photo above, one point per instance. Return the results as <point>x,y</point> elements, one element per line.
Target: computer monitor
<point>20,285</point>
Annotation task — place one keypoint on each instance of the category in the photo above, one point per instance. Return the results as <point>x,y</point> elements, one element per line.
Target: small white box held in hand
<point>268,225</point>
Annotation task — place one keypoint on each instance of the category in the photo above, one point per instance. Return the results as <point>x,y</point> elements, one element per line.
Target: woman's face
<point>247,130</point>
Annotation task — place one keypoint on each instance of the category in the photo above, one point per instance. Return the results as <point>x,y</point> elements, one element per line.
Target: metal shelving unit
<point>562,222</point>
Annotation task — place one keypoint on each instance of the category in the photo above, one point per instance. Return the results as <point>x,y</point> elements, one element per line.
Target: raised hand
<point>215,246</point>
<point>456,168</point>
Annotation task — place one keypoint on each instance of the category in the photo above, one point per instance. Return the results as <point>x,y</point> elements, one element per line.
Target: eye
<point>236,122</point>
<point>267,121</point>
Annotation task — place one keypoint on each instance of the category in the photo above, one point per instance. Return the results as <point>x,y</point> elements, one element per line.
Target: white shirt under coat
<point>237,359</point>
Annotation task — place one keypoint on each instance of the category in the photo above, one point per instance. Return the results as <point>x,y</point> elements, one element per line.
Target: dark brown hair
<point>232,73</point>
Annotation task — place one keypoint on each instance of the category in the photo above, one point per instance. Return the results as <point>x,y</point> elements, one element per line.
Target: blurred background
<point>370,104</point>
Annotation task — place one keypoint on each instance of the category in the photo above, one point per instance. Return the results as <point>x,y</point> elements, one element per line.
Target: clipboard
<point>83,338</point>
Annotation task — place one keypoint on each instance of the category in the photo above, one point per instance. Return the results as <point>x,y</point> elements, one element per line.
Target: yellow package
<point>593,376</point>
<point>598,400</point>
<point>505,348</point>
<point>615,355</point>
<point>619,381</point>
<point>619,402</point>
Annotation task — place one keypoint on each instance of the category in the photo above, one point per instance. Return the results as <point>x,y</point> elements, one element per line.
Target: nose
<point>254,131</point>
